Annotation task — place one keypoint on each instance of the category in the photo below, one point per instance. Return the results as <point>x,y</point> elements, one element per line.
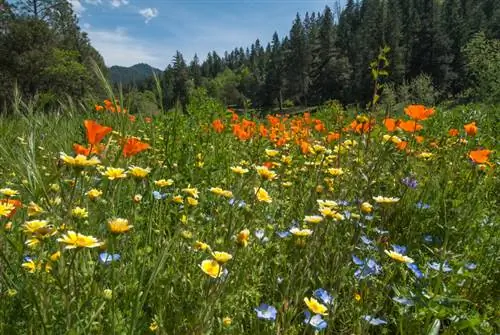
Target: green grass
<point>158,279</point>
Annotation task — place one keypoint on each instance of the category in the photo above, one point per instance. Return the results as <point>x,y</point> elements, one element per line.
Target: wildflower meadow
<point>218,222</point>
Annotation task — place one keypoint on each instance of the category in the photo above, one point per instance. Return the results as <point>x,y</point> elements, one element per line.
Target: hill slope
<point>132,74</point>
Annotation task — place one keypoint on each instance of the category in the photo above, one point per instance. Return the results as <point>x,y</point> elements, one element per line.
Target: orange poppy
<point>16,203</point>
<point>410,126</point>
<point>319,126</point>
<point>263,131</point>
<point>99,108</point>
<point>453,132</point>
<point>133,146</point>
<point>148,119</point>
<point>304,147</point>
<point>480,156</point>
<point>268,165</point>
<point>402,145</point>
<point>82,150</point>
<point>95,132</point>
<point>471,129</point>
<point>419,112</point>
<point>132,118</point>
<point>391,124</point>
<point>332,137</point>
<point>218,126</point>
<point>419,139</point>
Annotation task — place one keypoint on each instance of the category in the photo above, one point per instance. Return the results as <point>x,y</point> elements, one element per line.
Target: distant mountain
<point>133,74</point>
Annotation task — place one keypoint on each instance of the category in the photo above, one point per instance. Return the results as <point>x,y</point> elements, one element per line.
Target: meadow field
<point>213,222</point>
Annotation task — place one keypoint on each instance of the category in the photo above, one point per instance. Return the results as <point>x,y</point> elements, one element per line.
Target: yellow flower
<point>330,213</point>
<point>192,191</point>
<point>398,257</point>
<point>385,200</point>
<point>119,226</point>
<point>55,187</point>
<point>55,201</point>
<point>265,173</point>
<point>55,256</point>
<point>315,307</point>
<point>164,182</point>
<point>366,207</point>
<point>313,219</point>
<point>425,155</point>
<point>272,153</point>
<point>153,326</point>
<point>9,192</point>
<point>79,160</point>
<point>34,226</point>
<point>94,194</point>
<point>178,199</point>
<point>137,198</point>
<point>239,170</point>
<point>211,268</point>
<point>187,234</point>
<point>221,192</point>
<point>76,240</point>
<point>29,265</point>
<point>301,232</point>
<point>8,226</point>
<point>327,203</point>
<point>262,195</point>
<point>138,172</point>
<point>34,209</point>
<point>114,173</point>
<point>286,160</point>
<point>80,213</point>
<point>6,208</point>
<point>287,184</point>
<point>192,201</point>
<point>107,294</point>
<point>198,245</point>
<point>392,138</point>
<point>32,242</point>
<point>357,296</point>
<point>221,257</point>
<point>226,321</point>
<point>242,237</point>
<point>335,172</point>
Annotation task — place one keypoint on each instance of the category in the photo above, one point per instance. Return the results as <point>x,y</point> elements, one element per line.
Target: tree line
<point>44,53</point>
<point>326,55</point>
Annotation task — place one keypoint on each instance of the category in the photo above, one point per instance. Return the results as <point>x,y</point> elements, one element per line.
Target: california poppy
<point>410,126</point>
<point>82,150</point>
<point>95,132</point>
<point>218,126</point>
<point>99,108</point>
<point>391,124</point>
<point>471,129</point>
<point>133,146</point>
<point>453,132</point>
<point>332,137</point>
<point>480,156</point>
<point>402,145</point>
<point>418,112</point>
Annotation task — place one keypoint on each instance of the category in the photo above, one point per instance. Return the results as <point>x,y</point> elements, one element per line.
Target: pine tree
<point>195,71</point>
<point>298,61</point>
<point>180,81</point>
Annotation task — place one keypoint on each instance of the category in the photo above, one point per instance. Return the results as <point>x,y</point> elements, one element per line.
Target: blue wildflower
<point>373,320</point>
<point>316,321</point>
<point>404,301</point>
<point>283,234</point>
<point>440,267</point>
<point>416,271</point>
<point>159,196</point>
<point>410,182</point>
<point>239,203</point>
<point>323,295</point>
<point>259,233</point>
<point>367,268</point>
<point>421,205</point>
<point>399,249</point>
<point>470,266</point>
<point>357,261</point>
<point>266,312</point>
<point>369,217</point>
<point>106,258</point>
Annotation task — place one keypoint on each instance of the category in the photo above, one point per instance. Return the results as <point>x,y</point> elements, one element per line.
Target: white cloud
<point>93,2</point>
<point>149,13</point>
<point>118,3</point>
<point>118,48</point>
<point>77,7</point>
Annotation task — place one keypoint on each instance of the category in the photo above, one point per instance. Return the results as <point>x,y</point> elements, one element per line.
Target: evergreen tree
<point>180,81</point>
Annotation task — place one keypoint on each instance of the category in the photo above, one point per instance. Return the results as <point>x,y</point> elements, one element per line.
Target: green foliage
<point>483,67</point>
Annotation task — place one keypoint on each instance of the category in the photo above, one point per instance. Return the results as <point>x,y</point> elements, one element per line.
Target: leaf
<point>435,327</point>
<point>471,323</point>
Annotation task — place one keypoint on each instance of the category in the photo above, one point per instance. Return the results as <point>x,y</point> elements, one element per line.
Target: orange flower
<point>453,132</point>
<point>81,150</point>
<point>132,118</point>
<point>133,146</point>
<point>410,126</point>
<point>402,145</point>
<point>95,132</point>
<point>419,139</point>
<point>268,165</point>
<point>99,108</point>
<point>391,124</point>
<point>147,119</point>
<point>14,202</point>
<point>304,147</point>
<point>263,131</point>
<point>419,112</point>
<point>218,126</point>
<point>319,126</point>
<point>332,137</point>
<point>471,129</point>
<point>480,156</point>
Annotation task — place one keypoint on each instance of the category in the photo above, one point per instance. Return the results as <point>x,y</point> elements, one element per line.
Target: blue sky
<point>127,32</point>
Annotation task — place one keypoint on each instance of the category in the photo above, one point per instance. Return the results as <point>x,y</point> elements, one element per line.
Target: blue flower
<point>421,205</point>
<point>342,202</point>
<point>159,196</point>
<point>266,312</point>
<point>369,217</point>
<point>367,268</point>
<point>283,234</point>
<point>239,203</point>
<point>416,271</point>
<point>316,321</point>
<point>347,214</point>
<point>259,233</point>
<point>380,231</point>
<point>399,249</point>
<point>373,320</point>
<point>323,295</point>
<point>410,182</point>
<point>106,258</point>
<point>357,261</point>
<point>440,267</point>
<point>404,301</point>
<point>428,238</point>
<point>470,266</point>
